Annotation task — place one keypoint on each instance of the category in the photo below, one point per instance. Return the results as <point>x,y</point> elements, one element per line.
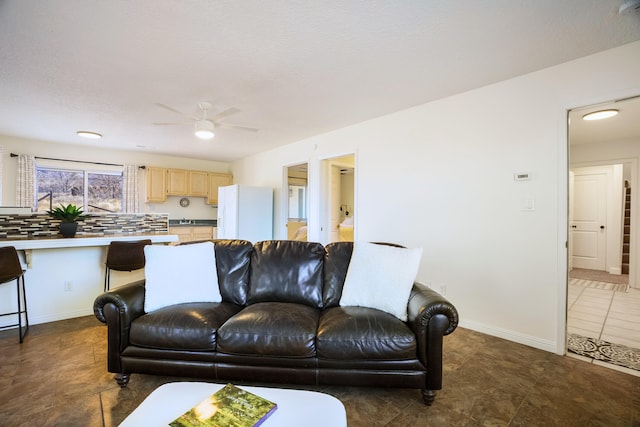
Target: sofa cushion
<point>271,329</point>
<point>190,326</point>
<point>336,263</point>
<point>233,259</point>
<point>360,333</point>
<point>381,276</point>
<point>179,274</point>
<point>287,271</point>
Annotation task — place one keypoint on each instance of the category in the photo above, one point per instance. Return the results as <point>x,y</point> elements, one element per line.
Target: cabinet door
<point>202,233</point>
<point>184,233</point>
<point>156,184</point>
<point>217,180</point>
<point>198,184</point>
<point>177,184</point>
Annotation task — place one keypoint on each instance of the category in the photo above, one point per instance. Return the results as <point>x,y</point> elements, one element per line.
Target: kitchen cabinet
<point>177,182</point>
<point>202,233</point>
<point>156,184</point>
<point>198,183</point>
<point>189,234</point>
<point>182,182</point>
<point>217,180</point>
<point>163,182</point>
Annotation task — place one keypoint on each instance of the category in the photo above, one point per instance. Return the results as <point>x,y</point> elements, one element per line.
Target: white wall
<point>198,209</point>
<point>440,176</point>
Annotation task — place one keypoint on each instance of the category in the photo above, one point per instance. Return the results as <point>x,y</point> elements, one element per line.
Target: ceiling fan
<point>204,125</point>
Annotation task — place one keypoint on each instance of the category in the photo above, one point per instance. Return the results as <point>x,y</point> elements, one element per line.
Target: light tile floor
<point>606,315</point>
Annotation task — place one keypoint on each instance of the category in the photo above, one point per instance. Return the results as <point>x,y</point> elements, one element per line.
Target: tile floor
<point>58,377</point>
<point>606,315</point>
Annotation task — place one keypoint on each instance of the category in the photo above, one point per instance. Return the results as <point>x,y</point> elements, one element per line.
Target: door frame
<point>565,164</point>
<point>284,199</point>
<point>325,163</point>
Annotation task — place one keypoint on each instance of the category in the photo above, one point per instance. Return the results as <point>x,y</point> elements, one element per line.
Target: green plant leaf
<point>69,213</point>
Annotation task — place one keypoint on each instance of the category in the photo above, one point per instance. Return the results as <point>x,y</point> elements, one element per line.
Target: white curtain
<point>130,188</point>
<point>25,181</point>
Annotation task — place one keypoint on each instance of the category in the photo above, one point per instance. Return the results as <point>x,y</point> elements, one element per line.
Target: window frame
<point>85,169</point>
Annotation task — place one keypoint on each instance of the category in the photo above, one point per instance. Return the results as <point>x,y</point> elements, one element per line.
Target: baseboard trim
<point>506,334</point>
<point>60,316</point>
<point>615,270</point>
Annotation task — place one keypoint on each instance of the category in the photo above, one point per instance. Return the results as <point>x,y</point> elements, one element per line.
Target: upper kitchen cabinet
<point>163,182</point>
<point>181,182</point>
<point>156,184</point>
<point>177,182</point>
<point>198,183</point>
<point>217,180</point>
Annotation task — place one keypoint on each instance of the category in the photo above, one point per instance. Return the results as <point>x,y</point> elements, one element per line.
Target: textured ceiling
<point>294,69</point>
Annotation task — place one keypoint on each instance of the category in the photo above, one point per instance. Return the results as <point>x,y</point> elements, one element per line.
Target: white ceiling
<point>294,69</point>
<point>624,126</point>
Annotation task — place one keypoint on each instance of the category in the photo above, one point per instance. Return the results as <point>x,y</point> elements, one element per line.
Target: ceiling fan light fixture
<point>88,134</point>
<point>599,115</point>
<point>204,129</point>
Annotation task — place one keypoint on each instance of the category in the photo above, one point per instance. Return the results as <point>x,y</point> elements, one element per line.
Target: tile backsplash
<point>43,225</point>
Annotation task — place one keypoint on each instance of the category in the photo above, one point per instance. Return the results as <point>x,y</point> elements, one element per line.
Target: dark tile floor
<point>58,377</point>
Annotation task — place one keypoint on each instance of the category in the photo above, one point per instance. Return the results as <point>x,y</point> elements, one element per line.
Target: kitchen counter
<point>193,223</point>
<point>80,241</point>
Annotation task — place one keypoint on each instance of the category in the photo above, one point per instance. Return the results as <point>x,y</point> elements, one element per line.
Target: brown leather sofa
<point>279,321</point>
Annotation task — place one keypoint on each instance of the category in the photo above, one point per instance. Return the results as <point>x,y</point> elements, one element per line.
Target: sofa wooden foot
<point>428,396</point>
<point>122,379</point>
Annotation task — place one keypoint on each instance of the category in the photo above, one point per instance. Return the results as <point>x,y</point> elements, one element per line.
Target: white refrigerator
<point>245,212</point>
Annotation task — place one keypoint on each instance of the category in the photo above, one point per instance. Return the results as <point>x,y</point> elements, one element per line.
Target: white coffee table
<point>295,407</point>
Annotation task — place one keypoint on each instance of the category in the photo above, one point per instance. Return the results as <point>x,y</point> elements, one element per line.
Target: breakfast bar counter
<point>80,241</point>
<point>63,276</point>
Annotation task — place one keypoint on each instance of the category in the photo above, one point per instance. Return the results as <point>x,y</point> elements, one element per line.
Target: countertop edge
<point>80,241</point>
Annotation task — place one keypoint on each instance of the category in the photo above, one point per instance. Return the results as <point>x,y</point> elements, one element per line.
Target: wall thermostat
<point>522,176</point>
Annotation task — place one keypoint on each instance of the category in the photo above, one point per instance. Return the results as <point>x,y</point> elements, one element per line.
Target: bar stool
<point>11,269</point>
<point>124,256</point>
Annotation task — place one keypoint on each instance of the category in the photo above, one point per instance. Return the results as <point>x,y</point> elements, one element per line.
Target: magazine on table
<point>230,406</point>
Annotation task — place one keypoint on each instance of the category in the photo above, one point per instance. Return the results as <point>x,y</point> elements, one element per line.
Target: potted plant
<point>69,216</point>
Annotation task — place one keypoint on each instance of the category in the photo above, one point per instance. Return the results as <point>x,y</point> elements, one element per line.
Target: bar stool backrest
<point>126,256</point>
<point>10,267</point>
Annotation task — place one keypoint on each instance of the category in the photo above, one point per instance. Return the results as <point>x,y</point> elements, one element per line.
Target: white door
<point>589,234</point>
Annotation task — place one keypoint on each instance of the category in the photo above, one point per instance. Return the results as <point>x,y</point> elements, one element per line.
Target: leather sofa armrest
<point>425,303</point>
<point>431,316</point>
<point>118,308</point>
<point>129,300</point>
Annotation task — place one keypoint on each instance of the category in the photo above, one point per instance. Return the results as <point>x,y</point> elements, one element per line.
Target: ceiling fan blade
<point>225,113</point>
<point>165,124</point>
<point>228,126</point>
<point>173,110</point>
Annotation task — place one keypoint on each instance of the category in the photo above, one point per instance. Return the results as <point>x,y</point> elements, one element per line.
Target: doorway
<point>602,240</point>
<point>297,201</point>
<point>337,210</point>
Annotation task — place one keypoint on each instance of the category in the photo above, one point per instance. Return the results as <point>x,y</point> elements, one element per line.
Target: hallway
<point>606,315</point>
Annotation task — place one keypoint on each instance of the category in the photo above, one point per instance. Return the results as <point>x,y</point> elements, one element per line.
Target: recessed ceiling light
<point>90,135</point>
<point>599,115</point>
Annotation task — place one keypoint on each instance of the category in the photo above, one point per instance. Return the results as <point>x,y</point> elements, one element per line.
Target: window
<point>95,191</point>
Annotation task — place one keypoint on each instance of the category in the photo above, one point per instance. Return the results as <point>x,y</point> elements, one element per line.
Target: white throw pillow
<point>381,276</point>
<point>179,274</point>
